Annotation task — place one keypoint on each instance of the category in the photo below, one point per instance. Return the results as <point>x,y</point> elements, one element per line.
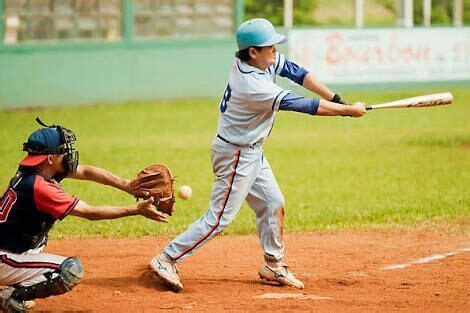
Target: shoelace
<point>173,266</point>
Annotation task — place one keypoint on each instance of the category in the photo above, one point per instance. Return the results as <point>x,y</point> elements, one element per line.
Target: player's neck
<point>253,63</point>
<point>46,170</point>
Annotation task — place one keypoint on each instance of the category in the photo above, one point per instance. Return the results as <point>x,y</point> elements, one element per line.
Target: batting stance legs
<point>266,199</point>
<point>241,173</point>
<point>32,275</point>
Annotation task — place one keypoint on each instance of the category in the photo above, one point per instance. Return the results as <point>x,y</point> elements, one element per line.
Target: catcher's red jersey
<point>28,209</point>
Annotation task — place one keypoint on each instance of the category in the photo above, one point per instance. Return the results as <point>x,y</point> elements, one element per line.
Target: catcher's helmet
<point>41,143</point>
<point>54,139</point>
<point>258,32</point>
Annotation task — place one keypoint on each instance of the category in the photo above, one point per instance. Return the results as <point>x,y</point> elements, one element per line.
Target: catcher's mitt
<point>157,181</point>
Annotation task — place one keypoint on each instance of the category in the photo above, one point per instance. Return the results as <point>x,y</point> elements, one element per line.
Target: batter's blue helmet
<point>258,32</point>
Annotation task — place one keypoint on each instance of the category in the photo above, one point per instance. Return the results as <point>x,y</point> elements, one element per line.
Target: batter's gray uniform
<point>241,171</point>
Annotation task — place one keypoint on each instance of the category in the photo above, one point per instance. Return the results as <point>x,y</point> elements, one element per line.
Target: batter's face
<point>263,58</point>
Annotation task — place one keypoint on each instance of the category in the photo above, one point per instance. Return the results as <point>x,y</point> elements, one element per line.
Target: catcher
<point>30,205</point>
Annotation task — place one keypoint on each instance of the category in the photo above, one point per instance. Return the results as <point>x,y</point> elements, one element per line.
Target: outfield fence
<point>104,51</point>
<point>109,51</point>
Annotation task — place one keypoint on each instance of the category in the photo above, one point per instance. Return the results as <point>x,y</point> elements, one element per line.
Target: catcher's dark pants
<point>241,173</point>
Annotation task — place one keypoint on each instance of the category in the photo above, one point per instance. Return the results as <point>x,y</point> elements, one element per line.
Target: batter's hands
<point>358,109</point>
<point>146,208</point>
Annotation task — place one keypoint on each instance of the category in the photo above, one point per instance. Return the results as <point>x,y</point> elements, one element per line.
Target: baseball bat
<point>415,102</point>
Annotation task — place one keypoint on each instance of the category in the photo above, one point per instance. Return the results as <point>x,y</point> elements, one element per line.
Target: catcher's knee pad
<point>58,282</point>
<point>71,271</point>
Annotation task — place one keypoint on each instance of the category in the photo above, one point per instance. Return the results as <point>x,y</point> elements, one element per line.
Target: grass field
<point>387,169</point>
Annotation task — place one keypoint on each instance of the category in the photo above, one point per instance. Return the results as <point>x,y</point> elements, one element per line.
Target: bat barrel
<point>420,101</point>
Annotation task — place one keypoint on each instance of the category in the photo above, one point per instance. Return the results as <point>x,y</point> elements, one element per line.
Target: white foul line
<point>426,259</point>
<point>300,296</point>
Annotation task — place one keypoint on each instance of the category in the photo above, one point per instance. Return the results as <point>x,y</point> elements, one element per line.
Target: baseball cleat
<point>167,272</point>
<point>281,275</point>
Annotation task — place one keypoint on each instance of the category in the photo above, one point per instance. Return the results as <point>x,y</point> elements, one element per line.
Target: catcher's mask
<point>53,139</point>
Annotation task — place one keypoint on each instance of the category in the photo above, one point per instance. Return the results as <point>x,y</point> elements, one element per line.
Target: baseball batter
<point>242,172</point>
<point>31,204</point>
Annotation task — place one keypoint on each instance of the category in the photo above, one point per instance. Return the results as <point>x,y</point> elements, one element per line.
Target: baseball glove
<point>155,181</point>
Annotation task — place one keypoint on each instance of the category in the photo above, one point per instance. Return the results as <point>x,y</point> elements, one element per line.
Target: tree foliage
<point>273,11</point>
<point>466,11</point>
<point>442,10</point>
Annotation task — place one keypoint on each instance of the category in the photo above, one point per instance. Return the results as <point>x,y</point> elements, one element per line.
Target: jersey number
<point>225,99</point>
<point>6,202</point>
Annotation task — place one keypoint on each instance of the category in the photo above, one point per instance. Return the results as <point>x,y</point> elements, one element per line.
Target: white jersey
<point>249,103</point>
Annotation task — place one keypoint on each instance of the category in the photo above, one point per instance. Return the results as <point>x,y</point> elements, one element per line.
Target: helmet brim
<point>275,40</point>
<point>33,160</point>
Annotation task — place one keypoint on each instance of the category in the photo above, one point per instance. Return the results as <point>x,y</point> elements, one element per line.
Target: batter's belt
<point>253,145</point>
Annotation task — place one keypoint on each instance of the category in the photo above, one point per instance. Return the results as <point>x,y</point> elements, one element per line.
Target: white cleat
<point>167,272</point>
<point>280,275</point>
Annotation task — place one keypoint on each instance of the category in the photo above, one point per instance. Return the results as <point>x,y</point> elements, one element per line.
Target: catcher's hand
<point>155,181</point>
<point>146,209</point>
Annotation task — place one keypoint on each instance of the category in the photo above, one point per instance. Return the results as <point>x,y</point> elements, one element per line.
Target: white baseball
<point>185,192</point>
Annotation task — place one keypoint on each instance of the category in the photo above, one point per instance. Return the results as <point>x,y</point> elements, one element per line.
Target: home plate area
<point>370,270</point>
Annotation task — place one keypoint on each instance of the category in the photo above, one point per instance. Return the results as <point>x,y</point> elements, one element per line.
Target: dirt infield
<point>341,271</point>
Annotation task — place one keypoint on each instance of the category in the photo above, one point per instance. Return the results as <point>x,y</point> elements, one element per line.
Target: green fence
<point>71,72</point>
<point>110,65</point>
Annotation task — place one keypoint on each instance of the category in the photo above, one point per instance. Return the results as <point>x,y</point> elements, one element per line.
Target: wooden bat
<point>415,102</point>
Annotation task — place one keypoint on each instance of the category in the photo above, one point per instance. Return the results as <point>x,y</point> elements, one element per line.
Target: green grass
<point>391,168</point>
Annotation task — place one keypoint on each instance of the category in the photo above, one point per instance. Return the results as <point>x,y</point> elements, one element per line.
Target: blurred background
<point>140,81</point>
<point>68,52</point>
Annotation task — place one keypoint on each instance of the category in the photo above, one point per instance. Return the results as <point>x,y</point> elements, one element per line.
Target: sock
<point>274,264</point>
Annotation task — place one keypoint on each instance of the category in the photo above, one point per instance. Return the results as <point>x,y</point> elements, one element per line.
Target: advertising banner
<point>383,55</point>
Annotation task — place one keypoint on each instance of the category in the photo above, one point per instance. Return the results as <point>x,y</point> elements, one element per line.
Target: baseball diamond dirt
<point>400,270</point>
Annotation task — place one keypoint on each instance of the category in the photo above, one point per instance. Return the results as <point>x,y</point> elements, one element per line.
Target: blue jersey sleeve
<point>293,72</point>
<point>293,102</point>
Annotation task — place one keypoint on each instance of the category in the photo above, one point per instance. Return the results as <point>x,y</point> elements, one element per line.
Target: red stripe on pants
<point>227,195</point>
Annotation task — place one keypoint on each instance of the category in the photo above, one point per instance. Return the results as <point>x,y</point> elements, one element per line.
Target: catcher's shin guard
<point>58,282</point>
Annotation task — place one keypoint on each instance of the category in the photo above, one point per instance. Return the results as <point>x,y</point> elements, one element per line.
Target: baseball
<point>185,192</point>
